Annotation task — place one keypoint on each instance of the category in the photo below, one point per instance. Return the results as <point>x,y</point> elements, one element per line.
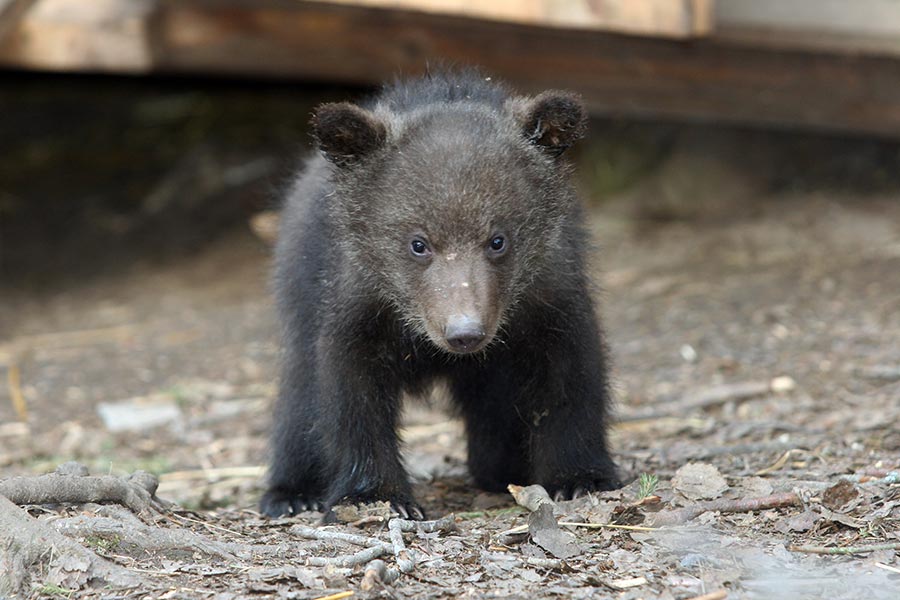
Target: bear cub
<point>436,236</point>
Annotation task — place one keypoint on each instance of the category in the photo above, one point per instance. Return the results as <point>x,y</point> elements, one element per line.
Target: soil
<point>753,310</point>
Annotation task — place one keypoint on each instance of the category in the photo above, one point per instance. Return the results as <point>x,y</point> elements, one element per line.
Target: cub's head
<point>455,208</point>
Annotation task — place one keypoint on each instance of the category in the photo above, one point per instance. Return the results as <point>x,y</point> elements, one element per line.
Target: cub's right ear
<point>553,120</point>
<point>347,133</point>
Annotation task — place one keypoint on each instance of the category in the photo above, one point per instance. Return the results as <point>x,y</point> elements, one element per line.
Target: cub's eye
<point>419,248</point>
<point>498,244</point>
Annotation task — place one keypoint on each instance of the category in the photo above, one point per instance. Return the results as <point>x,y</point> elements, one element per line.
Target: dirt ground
<point>752,304</point>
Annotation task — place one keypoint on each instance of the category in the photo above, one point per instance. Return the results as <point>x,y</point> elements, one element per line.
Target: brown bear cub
<point>436,235</point>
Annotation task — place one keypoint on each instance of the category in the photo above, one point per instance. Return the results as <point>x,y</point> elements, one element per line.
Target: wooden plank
<point>664,18</point>
<point>617,74</point>
<point>95,35</point>
<point>11,12</point>
<point>850,26</point>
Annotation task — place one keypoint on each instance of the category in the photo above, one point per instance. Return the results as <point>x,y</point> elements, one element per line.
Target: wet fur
<point>355,318</point>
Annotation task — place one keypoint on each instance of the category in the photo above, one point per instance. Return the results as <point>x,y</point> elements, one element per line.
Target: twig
<point>13,382</point>
<point>608,526</point>
<point>369,520</point>
<point>682,515</point>
<point>624,584</point>
<point>845,549</point>
<point>524,528</point>
<point>782,460</point>
<point>406,559</point>
<point>544,563</point>
<point>444,524</point>
<point>887,567</point>
<point>375,548</point>
<point>720,595</point>
<point>311,533</point>
<point>337,596</point>
<point>533,561</point>
<point>377,572</point>
<point>360,558</point>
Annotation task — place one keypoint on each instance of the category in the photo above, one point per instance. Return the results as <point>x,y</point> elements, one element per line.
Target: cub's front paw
<point>570,490</point>
<point>278,503</point>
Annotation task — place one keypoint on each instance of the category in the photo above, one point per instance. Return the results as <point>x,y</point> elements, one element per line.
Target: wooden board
<point>663,18</point>
<point>848,26</point>
<point>618,75</point>
<point>709,78</point>
<point>11,13</point>
<point>93,35</point>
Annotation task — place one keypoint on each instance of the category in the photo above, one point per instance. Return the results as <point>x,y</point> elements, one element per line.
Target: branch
<point>682,515</point>
<point>845,549</point>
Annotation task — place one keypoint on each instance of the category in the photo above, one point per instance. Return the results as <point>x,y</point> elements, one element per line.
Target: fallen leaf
<point>840,494</point>
<point>545,532</point>
<point>699,481</point>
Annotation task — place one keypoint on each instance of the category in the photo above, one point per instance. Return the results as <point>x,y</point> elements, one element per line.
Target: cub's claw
<point>408,510</point>
<point>276,504</point>
<point>576,489</point>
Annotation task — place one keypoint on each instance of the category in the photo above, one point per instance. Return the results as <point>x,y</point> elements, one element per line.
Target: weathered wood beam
<point>663,18</point>
<point>622,75</point>
<point>709,78</point>
<point>95,35</point>
<point>839,26</point>
<point>11,12</point>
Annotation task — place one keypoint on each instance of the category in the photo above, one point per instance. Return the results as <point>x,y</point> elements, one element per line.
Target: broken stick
<point>683,515</point>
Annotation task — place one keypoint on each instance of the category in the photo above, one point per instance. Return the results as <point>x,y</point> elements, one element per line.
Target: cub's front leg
<point>360,409</point>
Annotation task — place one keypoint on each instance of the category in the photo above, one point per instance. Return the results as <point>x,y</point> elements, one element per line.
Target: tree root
<point>71,484</point>
<point>26,543</point>
<point>124,530</point>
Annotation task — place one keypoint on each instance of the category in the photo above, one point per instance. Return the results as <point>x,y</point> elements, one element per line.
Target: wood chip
<point>624,584</point>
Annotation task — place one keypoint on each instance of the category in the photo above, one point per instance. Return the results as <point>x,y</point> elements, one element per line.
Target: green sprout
<point>647,485</point>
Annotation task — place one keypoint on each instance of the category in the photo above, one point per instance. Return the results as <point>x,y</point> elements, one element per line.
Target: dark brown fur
<point>456,163</point>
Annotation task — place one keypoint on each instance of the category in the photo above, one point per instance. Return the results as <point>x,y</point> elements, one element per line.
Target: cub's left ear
<point>554,121</point>
<point>347,133</point>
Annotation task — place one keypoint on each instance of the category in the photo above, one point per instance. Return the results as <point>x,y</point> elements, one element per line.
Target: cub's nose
<point>464,334</point>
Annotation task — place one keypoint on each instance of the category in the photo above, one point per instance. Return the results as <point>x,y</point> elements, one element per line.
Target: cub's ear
<point>347,133</point>
<point>553,120</point>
